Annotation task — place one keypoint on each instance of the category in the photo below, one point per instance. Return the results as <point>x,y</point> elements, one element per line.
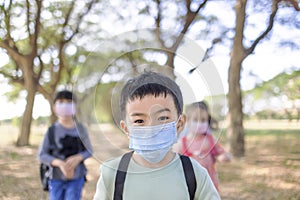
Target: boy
<point>151,107</point>
<point>70,147</point>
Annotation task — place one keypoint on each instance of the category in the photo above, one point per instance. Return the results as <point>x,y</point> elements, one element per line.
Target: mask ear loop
<point>176,122</point>
<point>178,118</point>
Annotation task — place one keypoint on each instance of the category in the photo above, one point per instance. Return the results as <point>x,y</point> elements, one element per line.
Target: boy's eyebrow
<point>163,110</point>
<point>137,114</point>
<point>156,112</point>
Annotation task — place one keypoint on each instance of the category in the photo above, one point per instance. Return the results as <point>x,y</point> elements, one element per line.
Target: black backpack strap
<point>44,169</point>
<point>121,175</point>
<point>51,138</point>
<point>122,171</point>
<point>51,135</point>
<point>189,175</point>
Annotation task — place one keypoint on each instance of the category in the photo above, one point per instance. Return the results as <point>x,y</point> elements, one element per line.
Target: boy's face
<point>151,111</point>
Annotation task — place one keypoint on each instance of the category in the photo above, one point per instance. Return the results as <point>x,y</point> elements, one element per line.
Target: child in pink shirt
<point>199,143</point>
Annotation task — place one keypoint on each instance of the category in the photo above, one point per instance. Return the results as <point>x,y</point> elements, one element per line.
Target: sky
<point>267,62</point>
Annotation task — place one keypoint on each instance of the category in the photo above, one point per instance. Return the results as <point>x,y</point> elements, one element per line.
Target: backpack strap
<point>189,174</point>
<point>122,171</point>
<point>121,175</point>
<point>45,169</point>
<point>51,137</point>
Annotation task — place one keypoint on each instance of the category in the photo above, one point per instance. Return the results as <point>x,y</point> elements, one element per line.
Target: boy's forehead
<point>151,103</point>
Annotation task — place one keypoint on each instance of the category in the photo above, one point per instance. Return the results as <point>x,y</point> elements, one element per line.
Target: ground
<point>269,170</point>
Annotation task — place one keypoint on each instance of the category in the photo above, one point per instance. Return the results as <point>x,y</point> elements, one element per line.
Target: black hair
<point>65,94</point>
<point>150,83</point>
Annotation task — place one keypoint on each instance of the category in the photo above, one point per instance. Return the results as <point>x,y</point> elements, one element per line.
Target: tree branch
<point>12,78</point>
<point>80,18</point>
<point>268,29</point>
<point>188,21</point>
<point>208,51</point>
<point>36,28</point>
<point>55,76</point>
<point>12,51</point>
<point>69,14</point>
<point>39,74</point>
<point>191,14</point>
<point>294,4</point>
<point>28,18</point>
<point>7,19</point>
<point>8,39</point>
<point>42,90</point>
<point>201,6</point>
<point>157,25</point>
<point>89,7</point>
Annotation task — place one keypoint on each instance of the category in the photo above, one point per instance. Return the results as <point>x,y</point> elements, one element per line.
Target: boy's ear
<point>181,123</point>
<point>124,127</point>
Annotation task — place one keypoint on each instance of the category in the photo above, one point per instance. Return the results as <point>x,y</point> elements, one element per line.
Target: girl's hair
<point>202,105</point>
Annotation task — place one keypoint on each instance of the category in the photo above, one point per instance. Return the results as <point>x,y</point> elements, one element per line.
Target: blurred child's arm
<point>221,155</point>
<point>224,157</point>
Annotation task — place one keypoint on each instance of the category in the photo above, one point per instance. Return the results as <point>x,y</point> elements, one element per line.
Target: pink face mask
<point>65,109</point>
<point>198,127</point>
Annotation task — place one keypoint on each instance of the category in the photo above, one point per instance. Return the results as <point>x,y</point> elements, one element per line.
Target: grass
<point>272,132</point>
<point>269,170</point>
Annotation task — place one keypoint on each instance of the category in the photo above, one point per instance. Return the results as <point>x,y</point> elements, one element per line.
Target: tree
<point>239,53</point>
<point>35,38</point>
<point>185,21</point>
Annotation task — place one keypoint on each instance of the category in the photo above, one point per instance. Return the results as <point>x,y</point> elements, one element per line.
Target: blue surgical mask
<point>153,142</point>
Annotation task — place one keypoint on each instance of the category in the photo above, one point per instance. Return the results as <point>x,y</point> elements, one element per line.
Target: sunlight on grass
<point>270,169</point>
<point>9,134</point>
<point>272,124</point>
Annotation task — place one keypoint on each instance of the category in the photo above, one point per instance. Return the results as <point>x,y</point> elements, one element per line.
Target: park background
<point>241,56</point>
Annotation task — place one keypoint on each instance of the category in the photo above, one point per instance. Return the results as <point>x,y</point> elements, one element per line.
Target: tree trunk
<point>53,117</point>
<point>238,54</point>
<point>169,70</point>
<point>23,138</point>
<point>235,130</point>
<point>30,85</point>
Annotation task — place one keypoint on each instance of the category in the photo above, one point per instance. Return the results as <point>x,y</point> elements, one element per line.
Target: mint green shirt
<point>165,183</point>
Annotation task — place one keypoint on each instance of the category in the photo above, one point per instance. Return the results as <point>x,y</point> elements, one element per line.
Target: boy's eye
<point>163,118</point>
<point>138,121</point>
